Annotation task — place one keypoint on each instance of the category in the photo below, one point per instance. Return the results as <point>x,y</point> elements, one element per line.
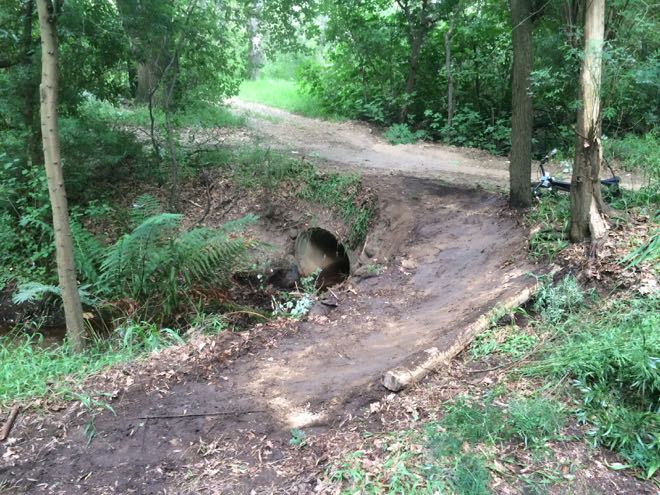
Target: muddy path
<point>445,256</point>
<point>214,416</point>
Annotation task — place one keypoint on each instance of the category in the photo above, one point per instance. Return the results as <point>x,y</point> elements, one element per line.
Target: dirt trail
<point>446,254</point>
<point>355,145</point>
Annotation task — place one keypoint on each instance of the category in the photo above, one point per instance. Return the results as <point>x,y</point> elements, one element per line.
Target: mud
<point>443,256</point>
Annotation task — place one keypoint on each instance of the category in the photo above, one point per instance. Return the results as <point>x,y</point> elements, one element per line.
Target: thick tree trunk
<point>66,269</point>
<point>586,201</point>
<point>450,79</point>
<point>520,168</point>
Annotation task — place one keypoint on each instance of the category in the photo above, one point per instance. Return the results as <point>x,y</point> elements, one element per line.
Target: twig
<point>9,423</point>
<point>201,415</point>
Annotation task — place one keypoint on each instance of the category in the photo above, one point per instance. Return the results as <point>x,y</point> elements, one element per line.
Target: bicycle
<point>547,181</point>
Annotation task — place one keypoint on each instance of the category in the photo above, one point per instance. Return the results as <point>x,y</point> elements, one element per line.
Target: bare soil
<point>214,415</point>
<point>359,145</point>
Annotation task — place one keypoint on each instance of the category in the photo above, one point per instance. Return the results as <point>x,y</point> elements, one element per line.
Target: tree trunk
<point>66,269</point>
<point>586,201</point>
<point>147,81</point>
<point>415,51</point>
<point>520,168</point>
<point>450,79</point>
<point>255,56</point>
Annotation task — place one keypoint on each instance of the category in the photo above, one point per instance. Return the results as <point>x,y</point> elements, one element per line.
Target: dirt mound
<point>436,259</point>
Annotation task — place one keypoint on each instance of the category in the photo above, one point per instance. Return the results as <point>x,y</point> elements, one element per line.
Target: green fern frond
<point>143,207</point>
<point>157,265</point>
<point>88,253</point>
<point>35,291</point>
<point>135,257</point>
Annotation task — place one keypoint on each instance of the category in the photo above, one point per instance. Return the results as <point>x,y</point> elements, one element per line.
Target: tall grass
<point>30,370</point>
<point>634,152</point>
<point>284,94</point>
<point>612,356</point>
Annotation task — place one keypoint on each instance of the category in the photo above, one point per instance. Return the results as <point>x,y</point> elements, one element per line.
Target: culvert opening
<point>316,248</point>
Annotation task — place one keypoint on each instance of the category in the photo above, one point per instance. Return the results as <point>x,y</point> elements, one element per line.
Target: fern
<point>143,207</point>
<point>35,291</point>
<point>88,252</point>
<point>132,262</point>
<point>156,265</point>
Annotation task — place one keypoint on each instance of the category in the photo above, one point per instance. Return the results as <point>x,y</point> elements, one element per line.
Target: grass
<point>28,370</point>
<point>612,356</point>
<point>634,152</point>
<point>599,362</point>
<point>200,114</point>
<point>549,220</point>
<point>404,469</point>
<point>256,167</point>
<point>284,94</point>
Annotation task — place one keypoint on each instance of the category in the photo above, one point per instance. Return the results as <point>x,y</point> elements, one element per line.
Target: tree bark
<point>66,269</point>
<point>520,168</point>
<point>586,200</point>
<point>147,80</point>
<point>255,56</point>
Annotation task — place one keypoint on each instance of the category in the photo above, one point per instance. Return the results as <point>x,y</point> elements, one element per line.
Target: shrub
<point>95,152</point>
<point>158,266</point>
<point>402,134</point>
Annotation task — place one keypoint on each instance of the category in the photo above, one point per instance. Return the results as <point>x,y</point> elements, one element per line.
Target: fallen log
<point>418,365</point>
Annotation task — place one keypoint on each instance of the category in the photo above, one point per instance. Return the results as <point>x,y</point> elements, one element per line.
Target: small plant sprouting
<point>375,269</point>
<point>298,438</point>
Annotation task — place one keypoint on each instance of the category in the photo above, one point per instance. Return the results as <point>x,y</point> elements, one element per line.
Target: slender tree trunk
<point>255,56</point>
<point>520,168</point>
<point>66,269</point>
<point>415,51</point>
<point>586,201</point>
<point>450,78</point>
<point>147,81</point>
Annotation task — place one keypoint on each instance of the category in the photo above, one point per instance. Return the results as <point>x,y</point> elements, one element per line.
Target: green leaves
<point>157,266</point>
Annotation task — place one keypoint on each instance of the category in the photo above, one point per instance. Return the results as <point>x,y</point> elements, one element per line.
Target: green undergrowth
<point>549,217</point>
<point>30,369</point>
<point>576,359</point>
<point>198,114</point>
<point>611,353</point>
<point>640,153</point>
<point>284,94</point>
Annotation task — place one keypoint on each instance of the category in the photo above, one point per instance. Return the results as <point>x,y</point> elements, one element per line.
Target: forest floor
<point>216,415</point>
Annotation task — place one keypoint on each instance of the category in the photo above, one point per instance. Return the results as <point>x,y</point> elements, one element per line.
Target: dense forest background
<point>133,75</point>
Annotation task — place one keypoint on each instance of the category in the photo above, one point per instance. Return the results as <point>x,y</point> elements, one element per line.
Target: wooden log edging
<point>421,363</point>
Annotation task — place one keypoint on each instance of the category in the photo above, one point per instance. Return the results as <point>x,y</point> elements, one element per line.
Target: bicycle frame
<point>546,181</point>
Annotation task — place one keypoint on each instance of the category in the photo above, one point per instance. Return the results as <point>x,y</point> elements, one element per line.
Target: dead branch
<point>6,429</point>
